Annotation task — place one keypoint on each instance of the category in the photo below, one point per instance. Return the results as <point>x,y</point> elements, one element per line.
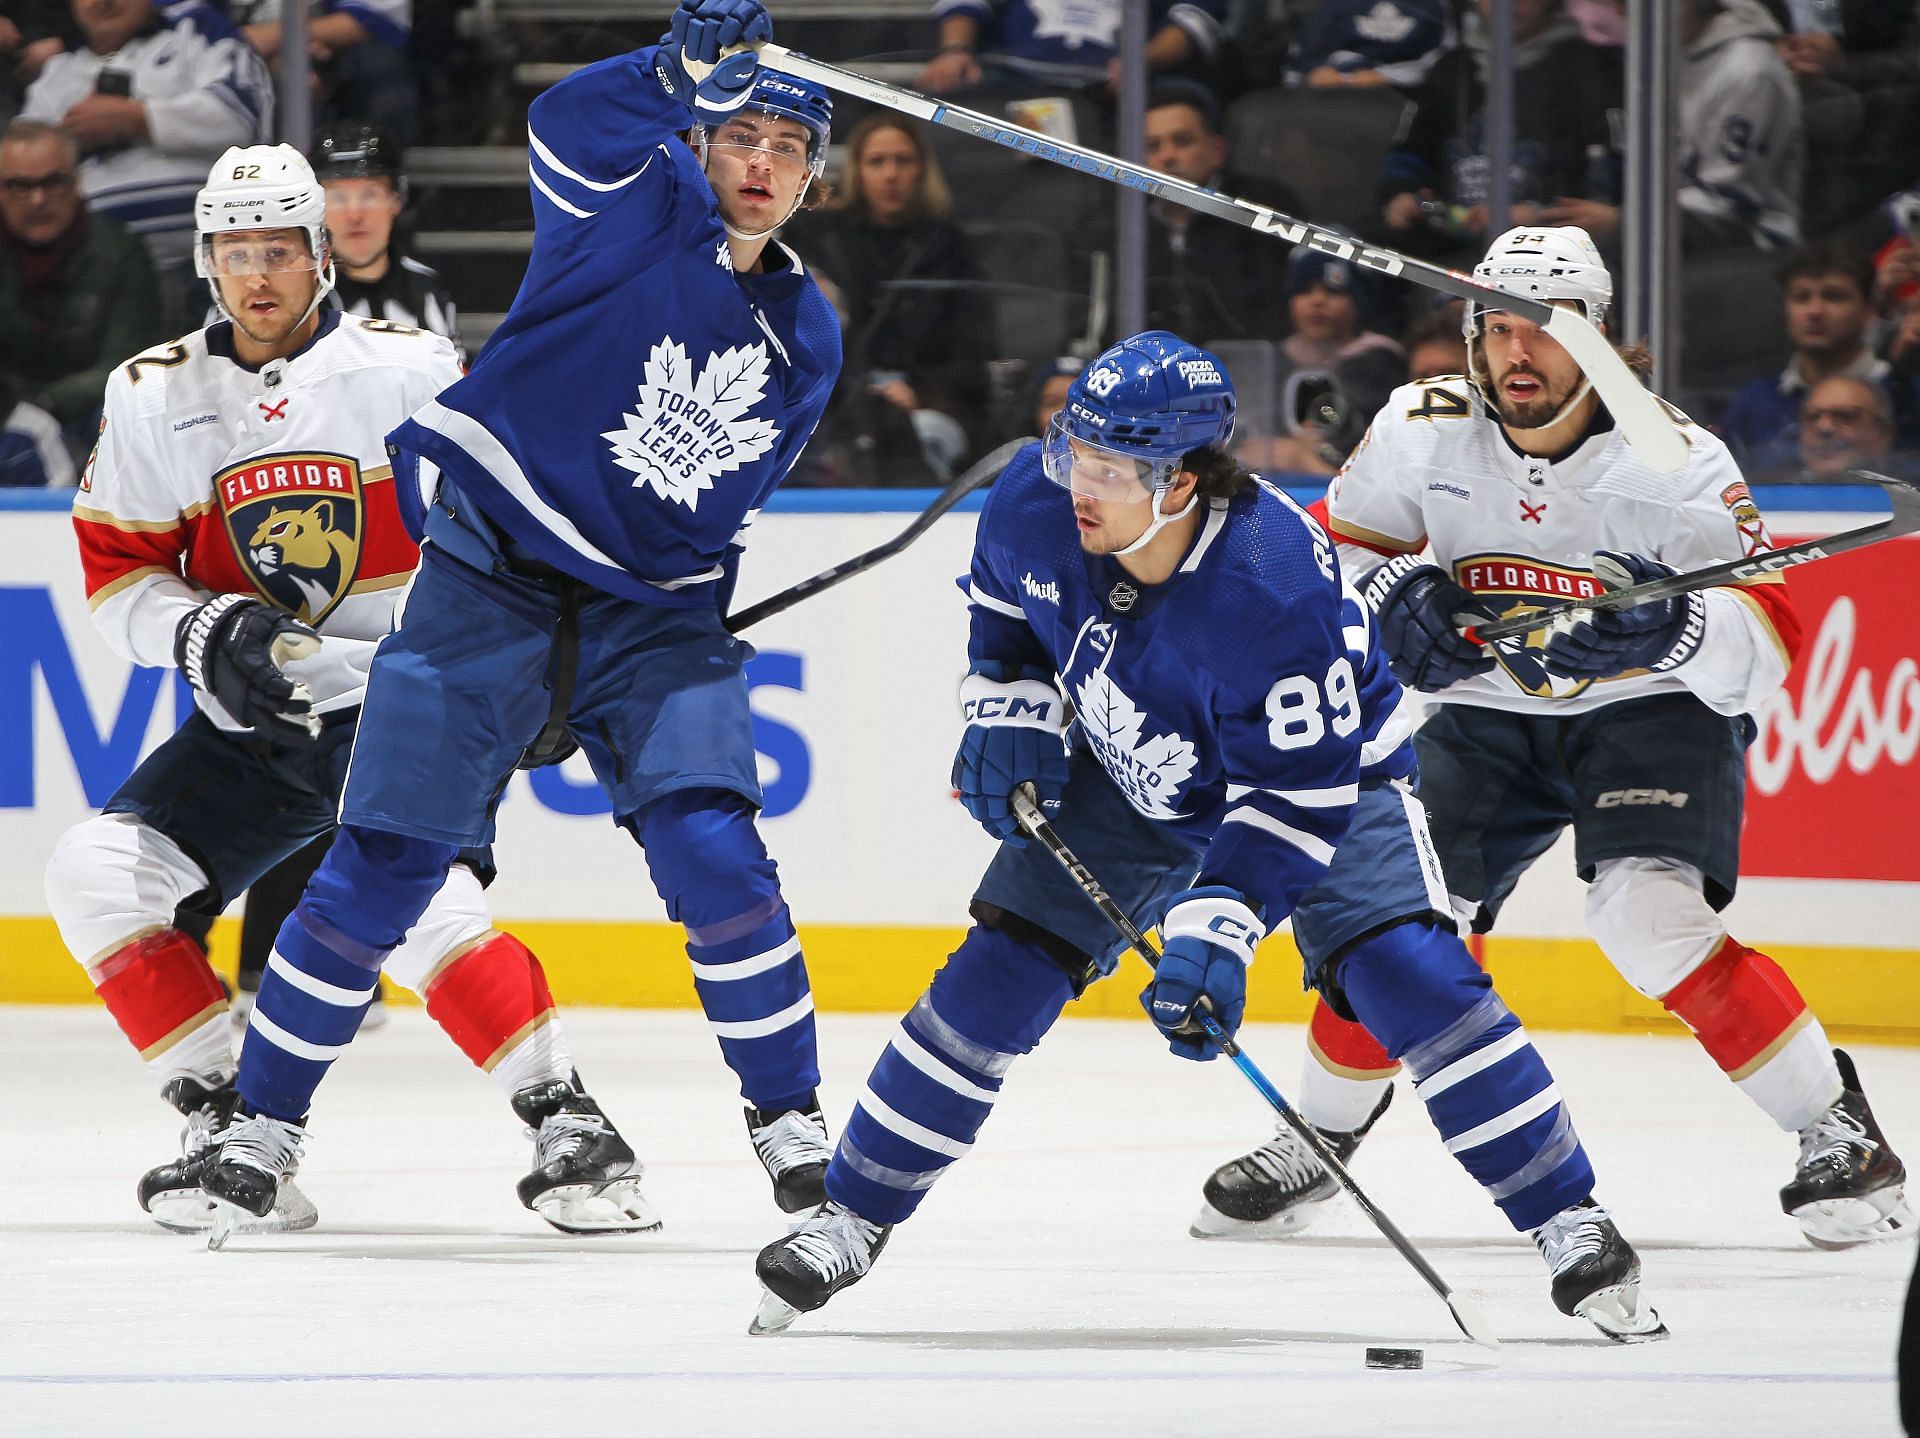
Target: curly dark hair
<point>1218,475</point>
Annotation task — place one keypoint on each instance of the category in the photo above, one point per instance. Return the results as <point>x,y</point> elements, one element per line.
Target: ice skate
<point>793,1146</point>
<point>1849,1188</point>
<point>171,1193</point>
<point>1277,1189</point>
<point>585,1178</point>
<point>245,1170</point>
<point>824,1254</point>
<point>1596,1273</point>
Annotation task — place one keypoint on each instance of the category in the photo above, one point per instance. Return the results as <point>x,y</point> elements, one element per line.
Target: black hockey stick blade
<point>1466,1316</point>
<point>980,474</point>
<point>1905,519</point>
<point>1647,426</point>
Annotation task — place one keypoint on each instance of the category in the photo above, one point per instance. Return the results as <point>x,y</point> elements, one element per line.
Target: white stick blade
<point>1642,420</point>
<point>1472,1322</point>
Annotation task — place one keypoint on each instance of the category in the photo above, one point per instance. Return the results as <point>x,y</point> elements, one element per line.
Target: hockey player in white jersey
<point>238,520</point>
<point>1630,725</point>
<point>1240,756</point>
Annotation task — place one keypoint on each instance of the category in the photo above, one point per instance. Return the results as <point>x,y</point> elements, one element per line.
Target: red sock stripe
<point>1346,1048</point>
<point>490,997</point>
<point>1739,1003</point>
<point>157,986</point>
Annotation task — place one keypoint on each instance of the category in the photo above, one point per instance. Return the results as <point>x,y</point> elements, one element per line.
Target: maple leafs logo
<point>1076,22</point>
<point>688,430</point>
<point>1149,772</point>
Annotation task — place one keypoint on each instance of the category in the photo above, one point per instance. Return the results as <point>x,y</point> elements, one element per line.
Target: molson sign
<point>1832,780</point>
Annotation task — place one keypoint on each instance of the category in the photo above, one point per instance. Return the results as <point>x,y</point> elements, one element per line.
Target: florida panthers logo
<point>295,522</point>
<point>1513,585</point>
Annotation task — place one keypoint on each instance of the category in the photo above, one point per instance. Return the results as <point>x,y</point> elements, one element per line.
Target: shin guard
<point>937,1080</point>
<point>1486,1089</point>
<point>1752,1022</point>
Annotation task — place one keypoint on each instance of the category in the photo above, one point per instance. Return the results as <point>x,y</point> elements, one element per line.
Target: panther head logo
<point>295,523</point>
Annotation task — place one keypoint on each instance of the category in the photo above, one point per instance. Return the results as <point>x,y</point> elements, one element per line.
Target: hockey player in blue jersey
<point>584,493</point>
<point>1238,754</point>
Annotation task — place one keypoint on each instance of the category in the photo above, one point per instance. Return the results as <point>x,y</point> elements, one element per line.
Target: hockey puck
<point>1395,1358</point>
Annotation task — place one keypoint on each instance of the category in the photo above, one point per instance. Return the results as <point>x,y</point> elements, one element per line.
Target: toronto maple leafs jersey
<point>1241,702</point>
<point>640,401</point>
<point>1071,41</point>
<point>1436,471</point>
<point>213,477</point>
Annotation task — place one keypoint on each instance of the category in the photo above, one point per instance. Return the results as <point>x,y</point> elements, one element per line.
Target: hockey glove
<point>1604,642</point>
<point>1016,734</point>
<point>692,63</point>
<point>1208,938</point>
<point>234,649</point>
<point>1421,613</point>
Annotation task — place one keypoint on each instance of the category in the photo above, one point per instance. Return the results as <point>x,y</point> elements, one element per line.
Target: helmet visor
<point>1092,470</point>
<point>787,143</point>
<point>254,252</point>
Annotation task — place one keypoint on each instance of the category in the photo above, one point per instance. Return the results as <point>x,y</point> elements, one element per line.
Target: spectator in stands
<point>1335,371</point>
<point>1742,144</point>
<point>1368,43</point>
<point>1050,388</point>
<point>360,165</point>
<point>151,107</point>
<point>1013,42</point>
<point>77,292</point>
<point>1845,423</point>
<point>33,453</point>
<point>1435,345</point>
<point>1332,305</point>
<point>914,375</point>
<point>1434,185</point>
<point>32,32</point>
<point>1827,291</point>
<point>359,50</point>
<point>1207,278</point>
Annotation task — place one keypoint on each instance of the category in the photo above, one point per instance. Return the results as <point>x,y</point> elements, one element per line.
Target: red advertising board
<point>1832,780</point>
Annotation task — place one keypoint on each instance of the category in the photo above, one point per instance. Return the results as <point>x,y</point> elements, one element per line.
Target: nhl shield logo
<point>295,522</point>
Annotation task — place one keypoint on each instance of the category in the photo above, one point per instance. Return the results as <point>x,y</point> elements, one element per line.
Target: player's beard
<point>1536,413</point>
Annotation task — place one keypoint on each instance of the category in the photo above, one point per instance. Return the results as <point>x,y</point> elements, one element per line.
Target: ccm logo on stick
<point>1632,798</point>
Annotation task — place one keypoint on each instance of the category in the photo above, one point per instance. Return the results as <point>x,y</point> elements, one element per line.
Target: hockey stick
<point>1647,426</point>
<point>982,473</point>
<point>1468,1317</point>
<point>1904,520</point>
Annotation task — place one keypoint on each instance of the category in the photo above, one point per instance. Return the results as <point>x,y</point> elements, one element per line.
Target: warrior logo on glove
<point>295,522</point>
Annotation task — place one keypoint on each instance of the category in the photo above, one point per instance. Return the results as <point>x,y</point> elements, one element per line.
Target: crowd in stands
<point>966,292</point>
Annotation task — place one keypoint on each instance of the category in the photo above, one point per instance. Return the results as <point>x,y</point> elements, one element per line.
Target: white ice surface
<point>1048,1285</point>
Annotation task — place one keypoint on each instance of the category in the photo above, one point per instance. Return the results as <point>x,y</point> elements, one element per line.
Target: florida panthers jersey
<point>1240,702</point>
<point>214,477</point>
<point>640,401</point>
<point>1436,471</point>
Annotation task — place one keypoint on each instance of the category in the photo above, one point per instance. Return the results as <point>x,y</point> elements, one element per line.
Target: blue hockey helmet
<point>791,98</point>
<point>1135,413</point>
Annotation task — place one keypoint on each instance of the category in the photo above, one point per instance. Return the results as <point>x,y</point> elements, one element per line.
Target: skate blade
<point>181,1210</point>
<point>1211,1223</point>
<point>226,1220</point>
<point>612,1206</point>
<point>1621,1316</point>
<point>775,1315</point>
<point>1836,1223</point>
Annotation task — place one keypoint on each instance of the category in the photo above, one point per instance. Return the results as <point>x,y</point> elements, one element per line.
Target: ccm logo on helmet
<point>1633,798</point>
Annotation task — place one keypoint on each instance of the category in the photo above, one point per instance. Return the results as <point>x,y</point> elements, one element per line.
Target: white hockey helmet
<point>262,187</point>
<point>1544,263</point>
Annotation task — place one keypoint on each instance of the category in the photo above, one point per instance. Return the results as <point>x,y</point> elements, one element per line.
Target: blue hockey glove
<point>1016,734</point>
<point>692,64</point>
<point>1208,939</point>
<point>1421,613</point>
<point>1604,642</point>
